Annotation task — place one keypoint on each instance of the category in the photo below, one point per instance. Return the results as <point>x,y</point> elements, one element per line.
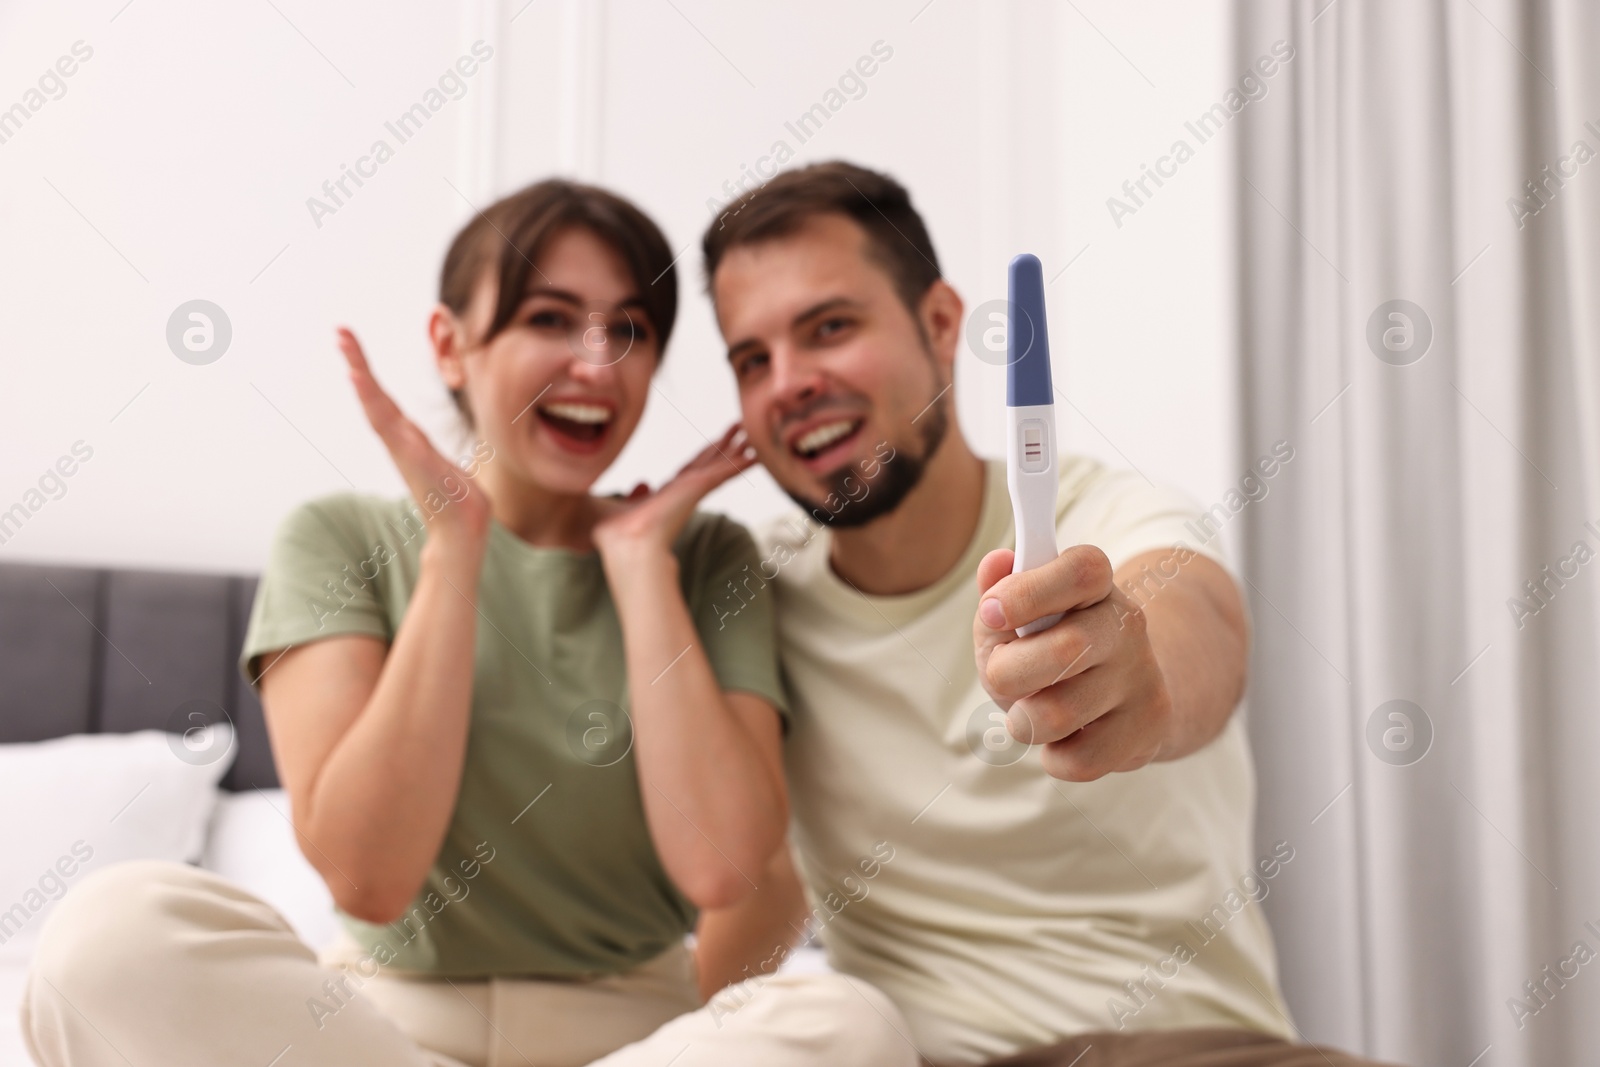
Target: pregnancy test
<point>1030,425</point>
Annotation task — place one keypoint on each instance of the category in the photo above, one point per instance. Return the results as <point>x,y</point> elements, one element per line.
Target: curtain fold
<point>1419,236</point>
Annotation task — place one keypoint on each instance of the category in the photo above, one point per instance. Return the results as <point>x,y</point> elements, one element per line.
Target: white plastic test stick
<point>1030,425</point>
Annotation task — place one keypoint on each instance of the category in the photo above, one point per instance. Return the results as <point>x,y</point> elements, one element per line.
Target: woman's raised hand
<point>653,520</point>
<point>454,508</point>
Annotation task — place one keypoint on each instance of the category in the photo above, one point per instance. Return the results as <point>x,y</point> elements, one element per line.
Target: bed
<point>86,651</point>
<point>104,675</point>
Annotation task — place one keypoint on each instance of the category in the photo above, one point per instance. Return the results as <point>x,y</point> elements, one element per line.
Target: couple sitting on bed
<point>533,737</point>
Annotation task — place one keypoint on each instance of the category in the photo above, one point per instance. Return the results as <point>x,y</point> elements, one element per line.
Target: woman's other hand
<point>649,522</point>
<point>710,762</point>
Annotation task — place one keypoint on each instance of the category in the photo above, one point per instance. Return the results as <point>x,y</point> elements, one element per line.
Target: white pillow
<point>252,845</point>
<point>77,804</point>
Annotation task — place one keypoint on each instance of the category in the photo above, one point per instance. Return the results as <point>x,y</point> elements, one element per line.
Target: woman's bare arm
<point>710,763</point>
<point>754,936</point>
<point>371,740</point>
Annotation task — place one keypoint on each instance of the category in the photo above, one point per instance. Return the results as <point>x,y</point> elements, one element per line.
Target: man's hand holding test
<point>1145,663</point>
<point>1113,685</point>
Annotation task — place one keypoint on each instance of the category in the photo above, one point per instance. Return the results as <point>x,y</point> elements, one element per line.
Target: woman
<point>520,745</point>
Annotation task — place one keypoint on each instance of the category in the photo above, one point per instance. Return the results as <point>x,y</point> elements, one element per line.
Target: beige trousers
<point>159,963</point>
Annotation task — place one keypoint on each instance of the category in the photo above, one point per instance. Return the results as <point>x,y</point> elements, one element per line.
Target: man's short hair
<point>897,239</point>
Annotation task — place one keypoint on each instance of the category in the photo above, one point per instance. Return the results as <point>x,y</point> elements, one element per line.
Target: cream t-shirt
<point>999,908</point>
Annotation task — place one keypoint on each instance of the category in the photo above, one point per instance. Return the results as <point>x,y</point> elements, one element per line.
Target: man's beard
<point>895,479</point>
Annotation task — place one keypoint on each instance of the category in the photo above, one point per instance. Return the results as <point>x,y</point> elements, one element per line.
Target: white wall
<point>178,162</point>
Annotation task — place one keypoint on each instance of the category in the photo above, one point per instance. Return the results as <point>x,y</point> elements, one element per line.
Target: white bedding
<point>80,803</point>
<point>252,845</point>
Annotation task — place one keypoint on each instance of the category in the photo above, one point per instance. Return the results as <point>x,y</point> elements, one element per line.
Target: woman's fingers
<point>382,412</point>
<point>726,456</point>
<point>712,466</point>
<point>351,348</point>
<point>717,463</point>
<point>423,467</point>
<point>660,516</point>
<point>736,440</point>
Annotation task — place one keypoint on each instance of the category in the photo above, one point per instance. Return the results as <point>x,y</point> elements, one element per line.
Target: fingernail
<point>992,614</point>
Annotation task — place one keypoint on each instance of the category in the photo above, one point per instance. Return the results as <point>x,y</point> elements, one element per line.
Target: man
<point>1038,843</point>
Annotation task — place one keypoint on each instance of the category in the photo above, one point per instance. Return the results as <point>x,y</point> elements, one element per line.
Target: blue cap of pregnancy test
<point>1027,340</point>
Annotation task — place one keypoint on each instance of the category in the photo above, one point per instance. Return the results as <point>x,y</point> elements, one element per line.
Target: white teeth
<point>823,436</point>
<point>575,412</point>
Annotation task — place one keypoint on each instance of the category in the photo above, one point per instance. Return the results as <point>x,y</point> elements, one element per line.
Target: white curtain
<point>1419,324</point>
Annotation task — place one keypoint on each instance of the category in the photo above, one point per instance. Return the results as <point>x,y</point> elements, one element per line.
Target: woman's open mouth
<point>576,425</point>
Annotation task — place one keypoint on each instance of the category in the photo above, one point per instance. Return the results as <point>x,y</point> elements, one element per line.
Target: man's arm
<point>1147,664</point>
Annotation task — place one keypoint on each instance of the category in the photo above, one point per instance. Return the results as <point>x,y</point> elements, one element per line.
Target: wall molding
<point>581,103</point>
<point>478,135</point>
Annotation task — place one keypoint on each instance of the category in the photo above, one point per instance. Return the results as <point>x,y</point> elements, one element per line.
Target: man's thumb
<point>993,567</point>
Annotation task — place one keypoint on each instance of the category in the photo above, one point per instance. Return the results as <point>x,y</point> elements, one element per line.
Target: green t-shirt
<point>548,867</point>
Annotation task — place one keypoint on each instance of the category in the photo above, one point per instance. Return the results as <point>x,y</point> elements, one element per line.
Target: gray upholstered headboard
<point>113,651</point>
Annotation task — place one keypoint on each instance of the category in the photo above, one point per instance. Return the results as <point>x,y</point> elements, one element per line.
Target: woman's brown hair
<point>512,232</point>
